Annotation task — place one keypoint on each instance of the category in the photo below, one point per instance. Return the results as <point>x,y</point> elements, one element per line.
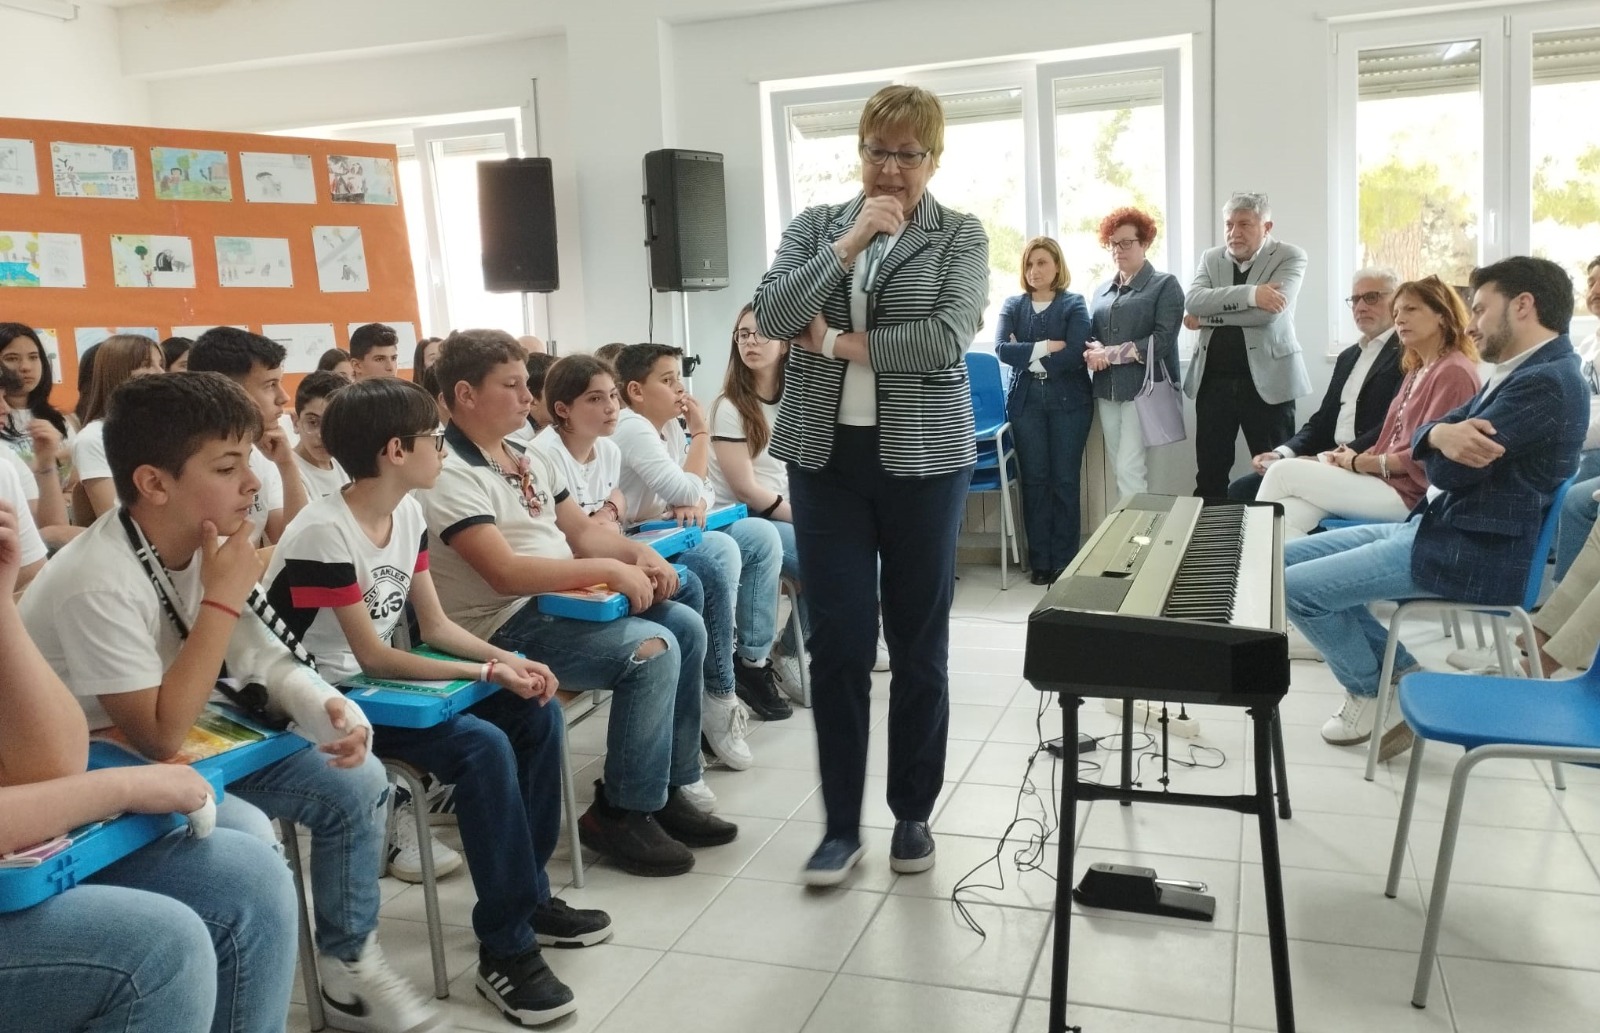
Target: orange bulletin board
<point>390,295</point>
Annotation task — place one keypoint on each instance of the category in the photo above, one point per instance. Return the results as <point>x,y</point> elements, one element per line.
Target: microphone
<point>876,251</point>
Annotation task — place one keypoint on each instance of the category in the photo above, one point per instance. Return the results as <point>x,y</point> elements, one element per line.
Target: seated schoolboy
<point>183,934</point>
<point>510,530</point>
<point>582,397</point>
<point>341,578</point>
<point>255,363</point>
<point>320,473</point>
<point>374,352</point>
<point>139,614</point>
<point>664,475</point>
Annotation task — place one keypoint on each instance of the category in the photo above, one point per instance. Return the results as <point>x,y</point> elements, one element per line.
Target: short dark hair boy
<point>162,421</point>
<point>467,356</point>
<point>234,352</point>
<point>635,363</point>
<point>374,351</point>
<point>362,419</point>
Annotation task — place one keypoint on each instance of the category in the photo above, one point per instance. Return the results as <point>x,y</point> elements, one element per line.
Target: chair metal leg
<point>1502,647</point>
<point>1477,629</point>
<point>430,880</point>
<point>1005,517</point>
<point>569,802</point>
<point>1441,878</point>
<point>309,981</point>
<point>1402,829</point>
<point>1391,647</point>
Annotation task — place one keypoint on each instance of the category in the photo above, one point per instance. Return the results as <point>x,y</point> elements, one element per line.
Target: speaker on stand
<point>686,228</point>
<point>517,226</point>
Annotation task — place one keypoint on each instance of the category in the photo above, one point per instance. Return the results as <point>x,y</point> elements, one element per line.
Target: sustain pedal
<point>1123,887</point>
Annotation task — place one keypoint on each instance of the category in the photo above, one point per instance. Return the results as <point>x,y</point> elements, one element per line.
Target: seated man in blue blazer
<point>1494,463</point>
<point>1366,376</point>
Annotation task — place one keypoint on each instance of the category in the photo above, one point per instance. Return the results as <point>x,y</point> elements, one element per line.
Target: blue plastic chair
<point>997,454</point>
<point>1499,616</point>
<point>1494,718</point>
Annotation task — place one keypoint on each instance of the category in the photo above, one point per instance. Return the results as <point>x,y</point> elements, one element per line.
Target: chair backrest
<point>988,391</point>
<point>1541,551</point>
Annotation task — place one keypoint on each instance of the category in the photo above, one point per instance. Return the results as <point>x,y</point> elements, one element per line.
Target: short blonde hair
<point>1050,247</point>
<point>908,107</point>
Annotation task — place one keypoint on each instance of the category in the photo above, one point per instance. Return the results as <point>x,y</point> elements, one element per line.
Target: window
<point>1419,158</point>
<point>1564,141</point>
<point>1030,149</point>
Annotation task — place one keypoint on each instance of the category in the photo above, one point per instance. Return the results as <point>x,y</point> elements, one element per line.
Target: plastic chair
<point>401,772</point>
<point>997,455</point>
<point>789,587</point>
<point>1498,615</point>
<point>1495,718</point>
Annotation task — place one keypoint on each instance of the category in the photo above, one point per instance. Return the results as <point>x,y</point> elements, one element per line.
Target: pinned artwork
<point>187,175</point>
<point>140,260</point>
<point>357,180</point>
<point>94,170</point>
<point>41,259</point>
<point>52,349</point>
<point>304,343</point>
<point>277,178</point>
<point>254,262</point>
<point>19,169</point>
<point>341,258</point>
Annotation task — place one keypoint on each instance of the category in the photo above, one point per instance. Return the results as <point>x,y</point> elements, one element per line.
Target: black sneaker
<point>633,840</point>
<point>558,924</point>
<point>691,826</point>
<point>758,687</point>
<point>524,988</point>
<point>911,848</point>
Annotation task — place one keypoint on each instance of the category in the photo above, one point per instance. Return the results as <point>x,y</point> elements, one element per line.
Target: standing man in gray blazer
<point>1247,370</point>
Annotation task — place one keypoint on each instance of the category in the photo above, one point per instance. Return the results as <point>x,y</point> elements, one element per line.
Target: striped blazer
<point>929,302</point>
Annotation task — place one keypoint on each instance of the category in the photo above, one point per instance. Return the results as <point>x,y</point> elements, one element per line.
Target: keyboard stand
<point>1269,763</point>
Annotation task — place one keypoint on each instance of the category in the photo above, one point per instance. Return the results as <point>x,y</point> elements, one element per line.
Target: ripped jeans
<point>653,739</point>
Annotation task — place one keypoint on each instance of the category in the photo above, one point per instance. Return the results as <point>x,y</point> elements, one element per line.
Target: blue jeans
<point>1578,512</point>
<point>1330,579</point>
<point>653,737</point>
<point>848,517</point>
<point>504,756</point>
<point>1050,434</point>
<point>750,554</point>
<point>791,570</point>
<point>182,936</point>
<point>344,811</point>
<point>714,566</point>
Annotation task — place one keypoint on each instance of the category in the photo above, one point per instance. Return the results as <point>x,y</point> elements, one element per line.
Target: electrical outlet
<point>1147,715</point>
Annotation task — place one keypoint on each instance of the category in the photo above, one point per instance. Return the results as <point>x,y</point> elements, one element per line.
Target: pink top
<point>1424,396</point>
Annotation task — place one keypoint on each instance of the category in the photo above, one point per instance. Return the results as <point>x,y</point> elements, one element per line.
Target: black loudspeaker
<point>685,220</point>
<point>517,220</point>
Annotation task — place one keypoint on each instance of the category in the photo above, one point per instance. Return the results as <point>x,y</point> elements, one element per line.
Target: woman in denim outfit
<point>1135,309</point>
<point>1041,337</point>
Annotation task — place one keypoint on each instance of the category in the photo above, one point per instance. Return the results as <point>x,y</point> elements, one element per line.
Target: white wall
<point>69,70</point>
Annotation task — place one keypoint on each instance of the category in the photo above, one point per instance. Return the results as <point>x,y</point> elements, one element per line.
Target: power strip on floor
<point>1147,718</point>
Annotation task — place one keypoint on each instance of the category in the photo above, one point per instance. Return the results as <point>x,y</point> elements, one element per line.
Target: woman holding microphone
<point>882,296</point>
<point>1050,403</point>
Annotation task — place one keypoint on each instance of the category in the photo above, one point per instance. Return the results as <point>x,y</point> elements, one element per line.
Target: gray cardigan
<point>1152,306</point>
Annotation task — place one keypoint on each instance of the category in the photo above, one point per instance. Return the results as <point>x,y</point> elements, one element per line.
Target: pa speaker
<point>686,220</point>
<point>517,220</point>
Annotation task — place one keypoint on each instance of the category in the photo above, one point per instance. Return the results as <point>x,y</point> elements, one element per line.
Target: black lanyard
<point>257,602</point>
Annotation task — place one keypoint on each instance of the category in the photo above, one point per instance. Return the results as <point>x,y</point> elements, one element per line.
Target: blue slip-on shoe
<point>830,864</point>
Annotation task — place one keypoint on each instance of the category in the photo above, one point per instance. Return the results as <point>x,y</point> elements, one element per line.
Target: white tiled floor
<point>740,946</point>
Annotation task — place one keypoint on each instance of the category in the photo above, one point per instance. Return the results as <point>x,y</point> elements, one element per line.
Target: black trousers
<point>852,519</point>
<point>1224,406</point>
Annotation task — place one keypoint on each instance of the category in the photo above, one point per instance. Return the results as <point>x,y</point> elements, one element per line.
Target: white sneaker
<point>1476,661</point>
<point>1300,647</point>
<point>881,663</point>
<point>441,802</point>
<point>405,854</point>
<point>725,722</point>
<point>789,677</point>
<point>1352,725</point>
<point>368,996</point>
<point>700,794</point>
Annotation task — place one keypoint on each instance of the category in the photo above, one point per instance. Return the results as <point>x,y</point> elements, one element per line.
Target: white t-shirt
<point>89,452</point>
<point>268,497</point>
<point>11,458</point>
<point>319,483</point>
<point>13,489</point>
<point>591,483</point>
<point>470,492</point>
<point>326,560</point>
<point>97,620</point>
<point>728,425</point>
<point>653,478</point>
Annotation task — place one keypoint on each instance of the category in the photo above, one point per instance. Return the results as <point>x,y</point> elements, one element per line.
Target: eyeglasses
<point>1122,245</point>
<point>905,159</point>
<point>1369,298</point>
<point>749,336</point>
<point>437,434</point>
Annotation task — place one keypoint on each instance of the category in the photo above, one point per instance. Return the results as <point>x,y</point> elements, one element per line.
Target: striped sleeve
<point>941,338</point>
<point>802,275</point>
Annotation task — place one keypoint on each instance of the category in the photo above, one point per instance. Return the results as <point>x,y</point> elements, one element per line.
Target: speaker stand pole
<point>683,306</point>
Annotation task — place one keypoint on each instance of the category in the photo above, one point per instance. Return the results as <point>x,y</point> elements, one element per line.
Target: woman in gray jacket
<point>1137,309</point>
